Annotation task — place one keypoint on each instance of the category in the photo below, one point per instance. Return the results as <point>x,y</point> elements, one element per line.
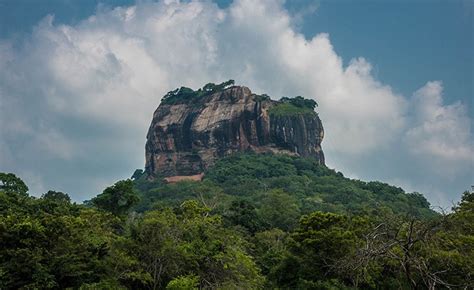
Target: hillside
<point>304,183</point>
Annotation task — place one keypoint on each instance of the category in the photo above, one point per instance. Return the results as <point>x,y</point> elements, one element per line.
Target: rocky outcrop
<point>191,129</point>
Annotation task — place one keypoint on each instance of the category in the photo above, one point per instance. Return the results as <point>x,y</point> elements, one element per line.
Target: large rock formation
<point>191,129</point>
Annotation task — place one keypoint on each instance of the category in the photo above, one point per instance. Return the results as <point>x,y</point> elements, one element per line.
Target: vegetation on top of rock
<point>262,98</point>
<point>293,106</point>
<point>184,94</point>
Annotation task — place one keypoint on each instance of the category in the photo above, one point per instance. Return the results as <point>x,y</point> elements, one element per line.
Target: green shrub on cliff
<point>300,102</point>
<point>185,94</point>
<point>293,107</point>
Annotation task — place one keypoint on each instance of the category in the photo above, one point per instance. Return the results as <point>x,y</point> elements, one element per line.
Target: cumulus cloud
<point>440,131</point>
<point>78,99</point>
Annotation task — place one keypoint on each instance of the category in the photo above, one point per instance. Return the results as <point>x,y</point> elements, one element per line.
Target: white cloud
<point>439,131</point>
<point>94,86</point>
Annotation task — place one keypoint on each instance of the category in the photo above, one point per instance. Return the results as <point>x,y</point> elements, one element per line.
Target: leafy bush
<point>300,102</point>
<point>293,107</point>
<point>184,94</point>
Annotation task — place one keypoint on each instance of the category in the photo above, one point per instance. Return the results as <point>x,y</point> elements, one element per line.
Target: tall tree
<point>118,198</point>
<point>10,183</point>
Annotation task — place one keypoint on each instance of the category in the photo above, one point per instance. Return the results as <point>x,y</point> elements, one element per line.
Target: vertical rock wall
<point>186,137</point>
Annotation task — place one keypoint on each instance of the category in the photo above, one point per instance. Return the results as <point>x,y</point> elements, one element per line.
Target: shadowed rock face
<point>187,136</point>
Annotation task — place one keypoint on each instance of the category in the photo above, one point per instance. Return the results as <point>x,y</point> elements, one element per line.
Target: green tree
<point>279,210</point>
<point>137,174</point>
<point>190,282</point>
<point>14,196</point>
<point>418,253</point>
<point>450,253</point>
<point>118,198</point>
<point>242,212</point>
<point>56,246</point>
<point>270,249</point>
<point>188,242</point>
<point>319,243</point>
<point>56,196</point>
<point>57,203</point>
<point>10,183</point>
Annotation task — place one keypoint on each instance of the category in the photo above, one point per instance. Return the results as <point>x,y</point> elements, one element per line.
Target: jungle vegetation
<point>254,222</point>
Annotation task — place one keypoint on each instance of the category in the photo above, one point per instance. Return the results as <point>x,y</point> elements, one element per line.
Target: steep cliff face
<point>191,129</point>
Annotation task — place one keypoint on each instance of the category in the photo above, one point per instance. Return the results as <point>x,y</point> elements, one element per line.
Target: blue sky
<point>411,59</point>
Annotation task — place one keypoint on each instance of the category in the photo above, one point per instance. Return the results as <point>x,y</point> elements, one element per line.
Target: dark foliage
<point>255,222</point>
<point>185,95</point>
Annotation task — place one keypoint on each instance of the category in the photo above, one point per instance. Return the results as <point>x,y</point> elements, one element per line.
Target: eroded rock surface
<point>187,135</point>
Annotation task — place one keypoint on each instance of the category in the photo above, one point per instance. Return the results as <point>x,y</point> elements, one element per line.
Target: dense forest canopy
<point>308,185</point>
<point>254,222</point>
